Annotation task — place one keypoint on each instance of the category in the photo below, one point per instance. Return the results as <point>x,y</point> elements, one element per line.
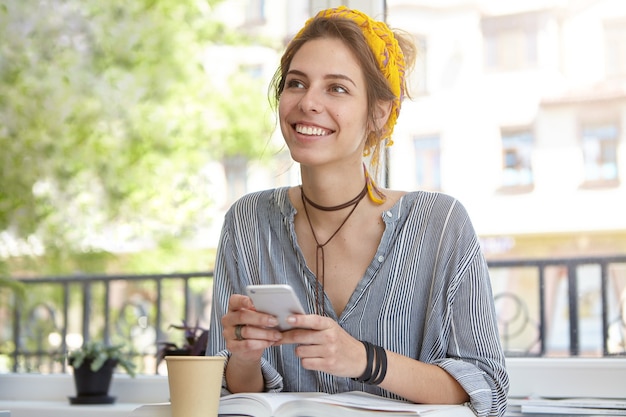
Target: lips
<point>311,130</point>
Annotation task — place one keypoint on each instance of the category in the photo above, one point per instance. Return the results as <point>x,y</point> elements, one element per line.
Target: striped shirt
<point>426,293</point>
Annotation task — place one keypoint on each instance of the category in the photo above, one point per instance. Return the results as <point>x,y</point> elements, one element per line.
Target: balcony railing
<point>63,311</point>
<point>561,307</point>
<point>551,307</point>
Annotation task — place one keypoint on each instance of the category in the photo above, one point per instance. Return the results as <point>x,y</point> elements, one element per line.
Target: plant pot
<point>93,387</point>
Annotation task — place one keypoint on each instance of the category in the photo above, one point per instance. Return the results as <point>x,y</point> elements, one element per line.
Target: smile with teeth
<point>311,131</point>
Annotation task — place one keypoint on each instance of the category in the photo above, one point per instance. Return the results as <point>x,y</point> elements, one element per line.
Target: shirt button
<point>389,214</point>
<point>381,258</point>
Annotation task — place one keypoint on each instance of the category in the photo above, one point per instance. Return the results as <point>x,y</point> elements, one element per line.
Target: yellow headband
<point>385,47</point>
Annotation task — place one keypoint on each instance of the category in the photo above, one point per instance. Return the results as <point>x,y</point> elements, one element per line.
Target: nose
<point>310,102</point>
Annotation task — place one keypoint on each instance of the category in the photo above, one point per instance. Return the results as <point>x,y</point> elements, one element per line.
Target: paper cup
<point>195,384</point>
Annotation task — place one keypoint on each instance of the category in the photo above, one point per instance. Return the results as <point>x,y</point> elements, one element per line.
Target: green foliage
<point>235,127</point>
<point>98,353</point>
<point>166,259</point>
<point>15,286</point>
<point>108,120</point>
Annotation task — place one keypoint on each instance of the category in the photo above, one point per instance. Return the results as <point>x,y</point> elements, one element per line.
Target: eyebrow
<point>326,77</point>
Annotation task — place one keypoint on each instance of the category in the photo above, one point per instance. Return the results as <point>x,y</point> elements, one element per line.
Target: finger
<point>249,332</point>
<point>252,341</point>
<point>312,351</point>
<point>239,301</point>
<point>310,330</point>
<point>327,338</point>
<point>317,357</point>
<point>254,318</point>
<point>248,349</point>
<point>241,311</point>
<point>310,321</point>
<point>241,325</point>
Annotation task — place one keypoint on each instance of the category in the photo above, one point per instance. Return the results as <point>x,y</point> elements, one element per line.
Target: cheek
<point>284,109</point>
<point>287,101</point>
<point>281,107</point>
<point>350,120</point>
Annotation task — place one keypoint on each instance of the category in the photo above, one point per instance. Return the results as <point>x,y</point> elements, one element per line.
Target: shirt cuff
<point>273,380</point>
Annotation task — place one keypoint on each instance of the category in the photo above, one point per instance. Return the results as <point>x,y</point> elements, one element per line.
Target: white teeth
<point>312,131</point>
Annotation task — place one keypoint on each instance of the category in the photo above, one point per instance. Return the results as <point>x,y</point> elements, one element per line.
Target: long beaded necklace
<point>319,250</point>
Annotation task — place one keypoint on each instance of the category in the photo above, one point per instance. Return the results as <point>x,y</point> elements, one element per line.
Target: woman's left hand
<point>324,346</point>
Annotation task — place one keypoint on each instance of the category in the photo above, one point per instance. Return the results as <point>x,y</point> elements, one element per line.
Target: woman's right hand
<point>246,331</point>
<point>247,334</point>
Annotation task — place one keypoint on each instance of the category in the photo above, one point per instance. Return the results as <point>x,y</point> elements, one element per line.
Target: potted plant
<point>195,344</point>
<point>93,365</point>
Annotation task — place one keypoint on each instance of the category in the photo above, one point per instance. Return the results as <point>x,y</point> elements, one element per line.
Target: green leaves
<point>109,116</point>
<point>98,353</point>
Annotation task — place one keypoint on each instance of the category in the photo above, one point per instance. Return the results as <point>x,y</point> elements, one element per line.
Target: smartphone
<point>279,300</point>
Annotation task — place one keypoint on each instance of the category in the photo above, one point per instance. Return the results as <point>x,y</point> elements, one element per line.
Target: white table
<point>64,409</point>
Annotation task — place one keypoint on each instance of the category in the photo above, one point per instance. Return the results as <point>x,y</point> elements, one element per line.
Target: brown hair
<point>378,88</point>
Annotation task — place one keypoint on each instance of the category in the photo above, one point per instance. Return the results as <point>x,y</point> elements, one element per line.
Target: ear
<point>381,113</point>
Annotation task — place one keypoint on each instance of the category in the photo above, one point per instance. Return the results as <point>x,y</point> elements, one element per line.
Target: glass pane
<point>427,162</point>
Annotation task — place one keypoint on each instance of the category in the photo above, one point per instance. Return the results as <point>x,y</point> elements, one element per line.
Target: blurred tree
<point>108,119</point>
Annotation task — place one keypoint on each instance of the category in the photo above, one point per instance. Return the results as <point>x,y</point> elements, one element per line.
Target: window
<point>615,47</point>
<point>517,146</point>
<point>599,146</point>
<point>510,42</point>
<point>427,162</point>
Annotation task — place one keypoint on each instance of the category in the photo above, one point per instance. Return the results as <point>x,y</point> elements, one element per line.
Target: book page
<point>571,402</point>
<point>564,410</point>
<point>260,404</point>
<point>366,401</point>
<point>314,404</point>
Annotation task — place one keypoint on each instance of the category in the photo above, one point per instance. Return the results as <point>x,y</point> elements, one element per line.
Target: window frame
<point>511,42</point>
<point>518,133</point>
<point>586,125</point>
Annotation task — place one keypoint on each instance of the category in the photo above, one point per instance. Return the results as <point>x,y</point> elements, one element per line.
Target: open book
<point>311,404</point>
<point>568,406</point>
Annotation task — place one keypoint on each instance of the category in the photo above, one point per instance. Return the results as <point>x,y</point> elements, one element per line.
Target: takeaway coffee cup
<point>195,384</point>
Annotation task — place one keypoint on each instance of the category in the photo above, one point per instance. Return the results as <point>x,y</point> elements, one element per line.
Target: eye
<point>294,83</point>
<point>337,88</point>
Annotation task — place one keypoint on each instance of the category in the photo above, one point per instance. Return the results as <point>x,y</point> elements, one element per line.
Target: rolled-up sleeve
<point>475,357</point>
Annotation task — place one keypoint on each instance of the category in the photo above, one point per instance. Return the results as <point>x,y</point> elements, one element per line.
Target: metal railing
<point>549,307</point>
<point>61,312</point>
<point>561,307</point>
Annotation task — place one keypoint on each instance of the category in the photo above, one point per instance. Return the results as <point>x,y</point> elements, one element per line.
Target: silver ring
<point>238,335</point>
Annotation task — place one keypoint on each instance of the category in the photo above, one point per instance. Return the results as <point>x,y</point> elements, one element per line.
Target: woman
<point>396,289</point>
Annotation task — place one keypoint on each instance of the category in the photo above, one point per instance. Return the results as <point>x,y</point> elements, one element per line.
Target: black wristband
<point>376,366</point>
<point>381,366</point>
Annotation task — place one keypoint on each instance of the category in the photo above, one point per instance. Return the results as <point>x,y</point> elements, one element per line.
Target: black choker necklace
<point>319,247</point>
<point>338,207</point>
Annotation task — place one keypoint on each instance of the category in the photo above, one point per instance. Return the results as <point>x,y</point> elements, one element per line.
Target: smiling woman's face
<point>323,107</point>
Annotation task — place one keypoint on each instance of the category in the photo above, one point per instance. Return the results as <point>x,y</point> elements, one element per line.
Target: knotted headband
<point>386,50</point>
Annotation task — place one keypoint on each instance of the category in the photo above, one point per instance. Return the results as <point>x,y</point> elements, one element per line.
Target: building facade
<point>519,111</point>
